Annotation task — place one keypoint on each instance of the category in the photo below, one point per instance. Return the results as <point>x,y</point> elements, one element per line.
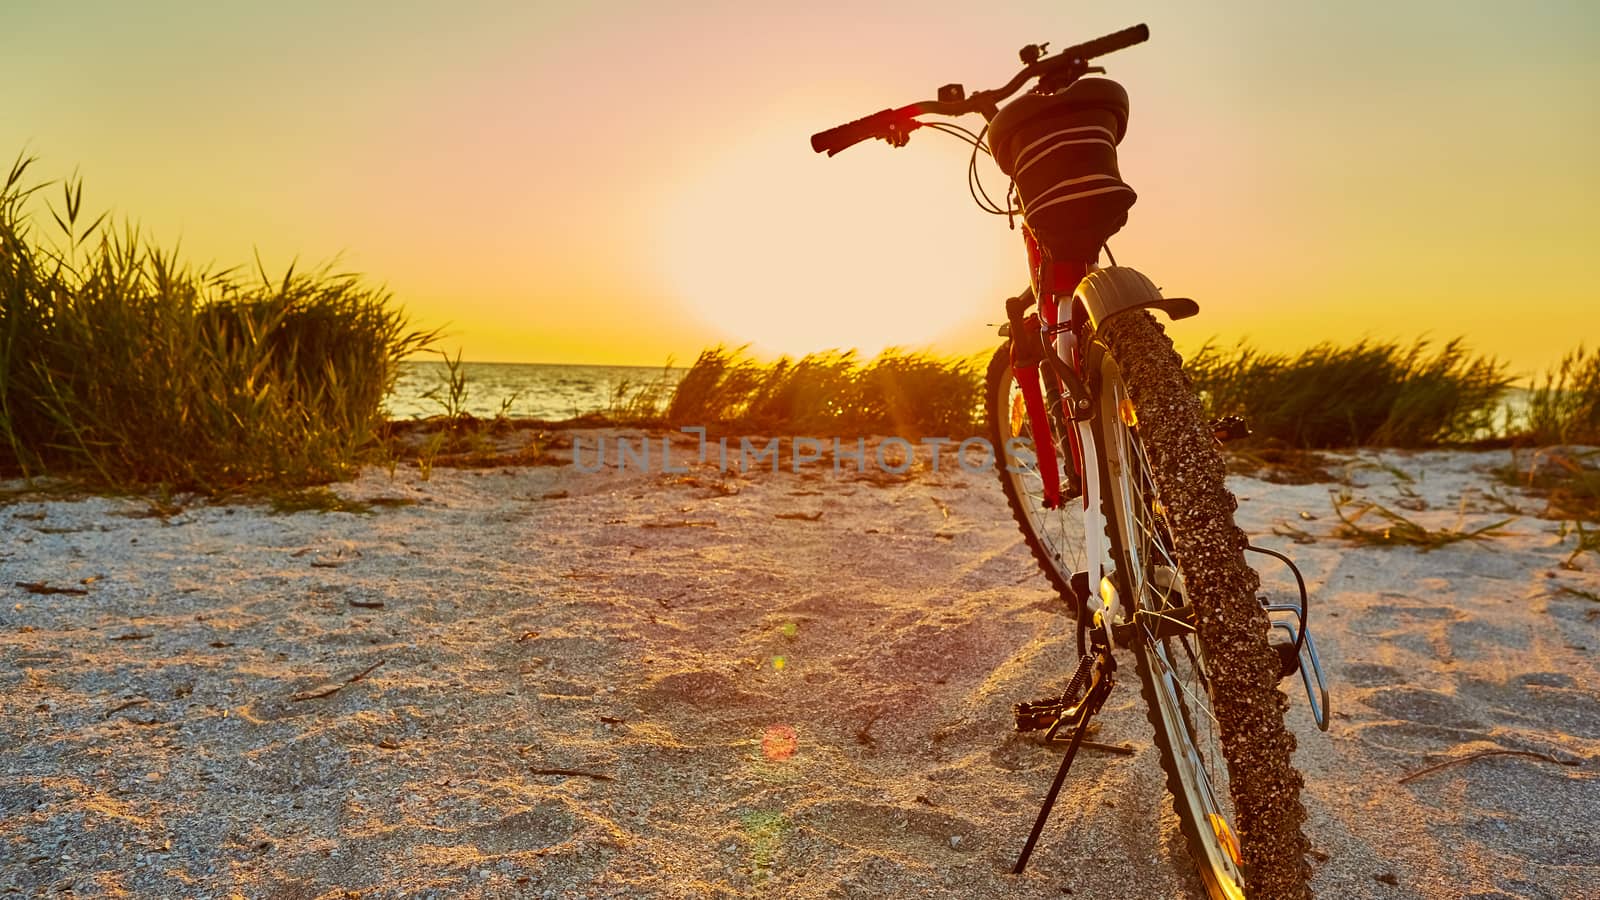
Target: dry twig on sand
<point>1531,754</point>
<point>39,587</point>
<point>137,701</point>
<point>572,773</point>
<point>864,733</point>
<point>336,688</point>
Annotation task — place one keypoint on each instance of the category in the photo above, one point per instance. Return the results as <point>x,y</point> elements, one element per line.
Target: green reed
<point>1368,394</point>
<point>832,393</point>
<point>122,366</point>
<point>1565,407</point>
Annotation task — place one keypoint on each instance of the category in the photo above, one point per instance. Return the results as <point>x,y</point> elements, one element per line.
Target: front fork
<point>1047,361</point>
<point>1046,364</point>
<point>1030,347</point>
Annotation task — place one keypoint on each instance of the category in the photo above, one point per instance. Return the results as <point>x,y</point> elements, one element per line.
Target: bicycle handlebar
<point>895,124</point>
<point>1119,40</point>
<point>835,139</point>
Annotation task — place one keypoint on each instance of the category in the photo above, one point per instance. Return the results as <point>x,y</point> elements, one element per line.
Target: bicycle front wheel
<point>1209,676</point>
<point>1054,536</point>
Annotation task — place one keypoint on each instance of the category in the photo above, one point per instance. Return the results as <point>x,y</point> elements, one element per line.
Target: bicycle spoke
<point>1194,699</point>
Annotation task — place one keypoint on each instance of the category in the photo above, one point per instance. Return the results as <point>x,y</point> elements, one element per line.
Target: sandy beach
<point>544,682</point>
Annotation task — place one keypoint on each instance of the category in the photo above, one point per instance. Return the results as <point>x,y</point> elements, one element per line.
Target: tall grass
<point>641,402</point>
<point>1367,394</point>
<point>1372,393</point>
<point>1565,407</point>
<point>831,393</point>
<point>121,365</point>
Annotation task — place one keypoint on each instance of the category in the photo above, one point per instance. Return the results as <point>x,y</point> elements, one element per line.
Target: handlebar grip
<point>835,139</point>
<point>1100,46</point>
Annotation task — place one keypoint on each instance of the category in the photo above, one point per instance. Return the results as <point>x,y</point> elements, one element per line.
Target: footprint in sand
<point>882,825</point>
<point>703,690</point>
<point>1546,679</point>
<point>1408,739</point>
<point>1428,720</point>
<point>1371,675</point>
<point>1422,706</point>
<point>541,826</point>
<point>1388,614</point>
<point>1539,701</point>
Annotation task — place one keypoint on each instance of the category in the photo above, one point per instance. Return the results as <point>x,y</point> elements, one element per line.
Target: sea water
<point>555,392</point>
<point>524,390</point>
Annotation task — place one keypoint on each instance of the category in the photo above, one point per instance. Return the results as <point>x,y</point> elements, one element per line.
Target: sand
<point>537,681</point>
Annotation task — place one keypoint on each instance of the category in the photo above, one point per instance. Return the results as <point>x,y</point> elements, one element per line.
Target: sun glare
<point>792,252</point>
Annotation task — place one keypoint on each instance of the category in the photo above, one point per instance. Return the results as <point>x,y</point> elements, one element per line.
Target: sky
<point>630,182</point>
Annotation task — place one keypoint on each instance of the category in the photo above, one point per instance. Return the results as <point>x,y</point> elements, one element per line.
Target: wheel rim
<point>1177,664</point>
<point>1059,532</point>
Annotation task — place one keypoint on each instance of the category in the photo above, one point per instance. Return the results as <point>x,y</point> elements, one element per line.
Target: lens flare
<point>764,833</point>
<point>779,743</point>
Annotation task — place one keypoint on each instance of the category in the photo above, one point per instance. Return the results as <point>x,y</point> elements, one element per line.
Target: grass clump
<point>830,393</point>
<point>1394,529</point>
<point>641,403</point>
<point>1565,408</point>
<point>1586,541</point>
<point>1566,478</point>
<point>1368,394</point>
<point>123,367</point>
<point>450,395</point>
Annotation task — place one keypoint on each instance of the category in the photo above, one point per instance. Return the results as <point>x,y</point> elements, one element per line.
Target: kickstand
<point>1099,686</point>
<point>1050,798</point>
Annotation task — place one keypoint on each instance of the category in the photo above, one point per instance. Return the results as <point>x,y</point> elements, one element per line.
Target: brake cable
<point>1300,581</point>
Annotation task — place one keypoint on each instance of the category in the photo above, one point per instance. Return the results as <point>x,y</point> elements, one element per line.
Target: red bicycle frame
<point>1051,281</point>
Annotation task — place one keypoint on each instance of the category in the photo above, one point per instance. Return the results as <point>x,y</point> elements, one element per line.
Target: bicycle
<point>1117,483</point>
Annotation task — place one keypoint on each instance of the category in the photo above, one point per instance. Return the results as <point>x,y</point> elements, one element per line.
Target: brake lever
<point>1055,81</point>
<point>898,134</point>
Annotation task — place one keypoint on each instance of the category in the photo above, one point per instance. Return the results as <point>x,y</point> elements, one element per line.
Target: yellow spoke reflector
<point>1225,837</point>
<point>1129,417</point>
<point>1019,413</point>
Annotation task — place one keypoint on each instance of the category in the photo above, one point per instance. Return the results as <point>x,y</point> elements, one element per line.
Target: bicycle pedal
<point>1038,715</point>
<point>1079,582</point>
<point>1288,657</point>
<point>1230,428</point>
